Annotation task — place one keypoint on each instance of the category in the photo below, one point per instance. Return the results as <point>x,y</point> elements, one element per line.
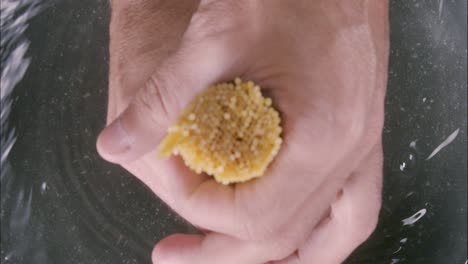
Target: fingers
<point>221,248</point>
<point>212,248</point>
<point>294,174</point>
<point>142,125</point>
<point>352,219</point>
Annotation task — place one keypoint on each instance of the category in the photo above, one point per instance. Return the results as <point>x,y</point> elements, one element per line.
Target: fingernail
<point>113,141</point>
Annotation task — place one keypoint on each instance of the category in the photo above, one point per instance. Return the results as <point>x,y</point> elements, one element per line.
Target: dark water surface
<point>61,203</point>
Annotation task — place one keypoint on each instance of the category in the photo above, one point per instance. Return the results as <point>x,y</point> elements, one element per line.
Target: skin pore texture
<point>323,63</point>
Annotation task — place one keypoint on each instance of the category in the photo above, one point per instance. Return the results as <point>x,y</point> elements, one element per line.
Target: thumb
<point>141,126</point>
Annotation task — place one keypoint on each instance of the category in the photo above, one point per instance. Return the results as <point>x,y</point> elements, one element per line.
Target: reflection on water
<point>62,204</point>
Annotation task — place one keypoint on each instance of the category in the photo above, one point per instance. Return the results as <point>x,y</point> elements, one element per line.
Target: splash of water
<point>414,218</point>
<point>398,250</point>
<point>13,61</point>
<point>445,143</point>
<point>14,20</point>
<point>441,7</point>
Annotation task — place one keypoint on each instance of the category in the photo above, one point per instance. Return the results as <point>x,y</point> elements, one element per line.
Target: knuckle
<point>275,245</point>
<point>366,221</point>
<point>151,97</point>
<point>322,132</point>
<point>262,224</point>
<point>151,100</point>
<point>350,122</point>
<point>366,226</point>
<point>376,126</point>
<point>369,229</point>
<point>260,227</point>
<point>257,229</point>
<point>279,248</point>
<point>230,16</point>
<point>262,220</point>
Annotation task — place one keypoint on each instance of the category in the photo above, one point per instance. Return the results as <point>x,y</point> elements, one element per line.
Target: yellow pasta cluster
<point>229,131</point>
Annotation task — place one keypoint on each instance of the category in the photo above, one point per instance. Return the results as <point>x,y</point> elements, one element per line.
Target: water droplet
<point>398,250</point>
<point>44,187</point>
<point>402,166</point>
<point>414,218</point>
<point>406,161</point>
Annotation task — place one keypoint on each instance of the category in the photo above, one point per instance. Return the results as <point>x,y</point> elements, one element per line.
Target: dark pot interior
<point>61,203</point>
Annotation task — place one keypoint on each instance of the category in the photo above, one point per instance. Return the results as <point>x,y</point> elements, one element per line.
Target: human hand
<point>323,63</point>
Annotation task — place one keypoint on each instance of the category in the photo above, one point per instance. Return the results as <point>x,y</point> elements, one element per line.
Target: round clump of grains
<point>229,131</point>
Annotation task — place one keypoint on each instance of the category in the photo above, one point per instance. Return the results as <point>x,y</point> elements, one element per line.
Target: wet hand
<point>324,65</point>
